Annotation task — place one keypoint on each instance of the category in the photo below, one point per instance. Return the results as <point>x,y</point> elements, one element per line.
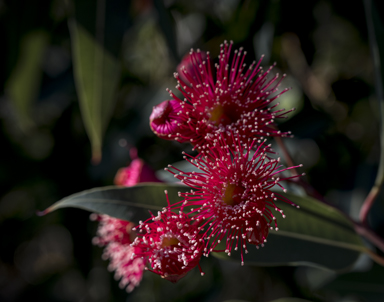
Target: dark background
<point>46,155</point>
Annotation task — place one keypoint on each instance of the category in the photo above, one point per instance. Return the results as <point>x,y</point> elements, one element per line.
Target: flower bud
<point>164,119</point>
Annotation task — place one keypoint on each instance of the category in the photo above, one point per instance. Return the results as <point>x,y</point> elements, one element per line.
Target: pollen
<point>169,242</point>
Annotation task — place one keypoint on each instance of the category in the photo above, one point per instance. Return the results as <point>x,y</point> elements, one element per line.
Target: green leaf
<point>182,165</point>
<point>288,299</point>
<point>97,74</point>
<point>367,285</point>
<point>167,26</point>
<point>278,300</point>
<point>315,235</point>
<point>127,203</point>
<point>23,84</point>
<point>96,34</point>
<point>236,301</point>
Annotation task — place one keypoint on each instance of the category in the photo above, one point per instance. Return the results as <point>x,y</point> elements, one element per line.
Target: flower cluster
<point>232,100</point>
<point>231,194</point>
<point>226,113</point>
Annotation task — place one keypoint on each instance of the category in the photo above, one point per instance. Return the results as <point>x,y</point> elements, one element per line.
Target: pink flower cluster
<point>117,235</point>
<point>231,195</point>
<point>226,113</point>
<point>233,100</point>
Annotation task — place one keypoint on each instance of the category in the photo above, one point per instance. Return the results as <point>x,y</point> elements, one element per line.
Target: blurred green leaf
<point>23,84</point>
<point>290,300</point>
<point>314,235</point>
<point>96,30</point>
<point>278,300</point>
<point>182,165</point>
<point>235,301</point>
<point>367,286</point>
<point>128,203</point>
<point>242,20</point>
<point>97,74</point>
<point>167,26</point>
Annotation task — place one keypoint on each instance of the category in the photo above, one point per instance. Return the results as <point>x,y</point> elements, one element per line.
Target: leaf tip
<point>96,156</point>
<point>42,213</point>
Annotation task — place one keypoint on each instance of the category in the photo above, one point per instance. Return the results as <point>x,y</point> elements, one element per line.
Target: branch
<point>375,29</point>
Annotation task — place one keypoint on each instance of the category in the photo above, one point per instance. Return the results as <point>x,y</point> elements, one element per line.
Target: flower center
<point>218,116</point>
<point>169,241</point>
<point>232,194</point>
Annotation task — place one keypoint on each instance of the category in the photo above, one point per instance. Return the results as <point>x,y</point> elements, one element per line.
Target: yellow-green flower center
<point>219,115</point>
<point>232,194</point>
<point>169,241</point>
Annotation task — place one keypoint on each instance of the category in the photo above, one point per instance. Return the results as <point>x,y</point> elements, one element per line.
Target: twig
<point>360,229</point>
<point>368,203</point>
<point>377,258</point>
<point>369,235</point>
<point>375,52</point>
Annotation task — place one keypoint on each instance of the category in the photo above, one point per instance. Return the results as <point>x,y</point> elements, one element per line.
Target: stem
<point>368,203</point>
<point>369,235</point>
<point>360,229</point>
<point>375,257</point>
<point>372,20</point>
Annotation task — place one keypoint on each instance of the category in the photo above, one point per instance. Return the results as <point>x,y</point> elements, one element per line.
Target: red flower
<point>233,100</point>
<point>170,244</point>
<point>137,171</point>
<point>231,196</point>
<point>190,65</point>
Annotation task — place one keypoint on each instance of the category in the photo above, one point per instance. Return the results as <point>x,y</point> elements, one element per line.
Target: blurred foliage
<point>321,46</point>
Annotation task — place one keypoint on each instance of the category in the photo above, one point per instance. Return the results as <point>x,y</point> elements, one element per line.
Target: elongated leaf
<point>23,84</point>
<point>96,32</point>
<point>97,74</point>
<point>167,26</point>
<point>128,203</point>
<point>289,299</point>
<point>182,165</point>
<point>315,235</point>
